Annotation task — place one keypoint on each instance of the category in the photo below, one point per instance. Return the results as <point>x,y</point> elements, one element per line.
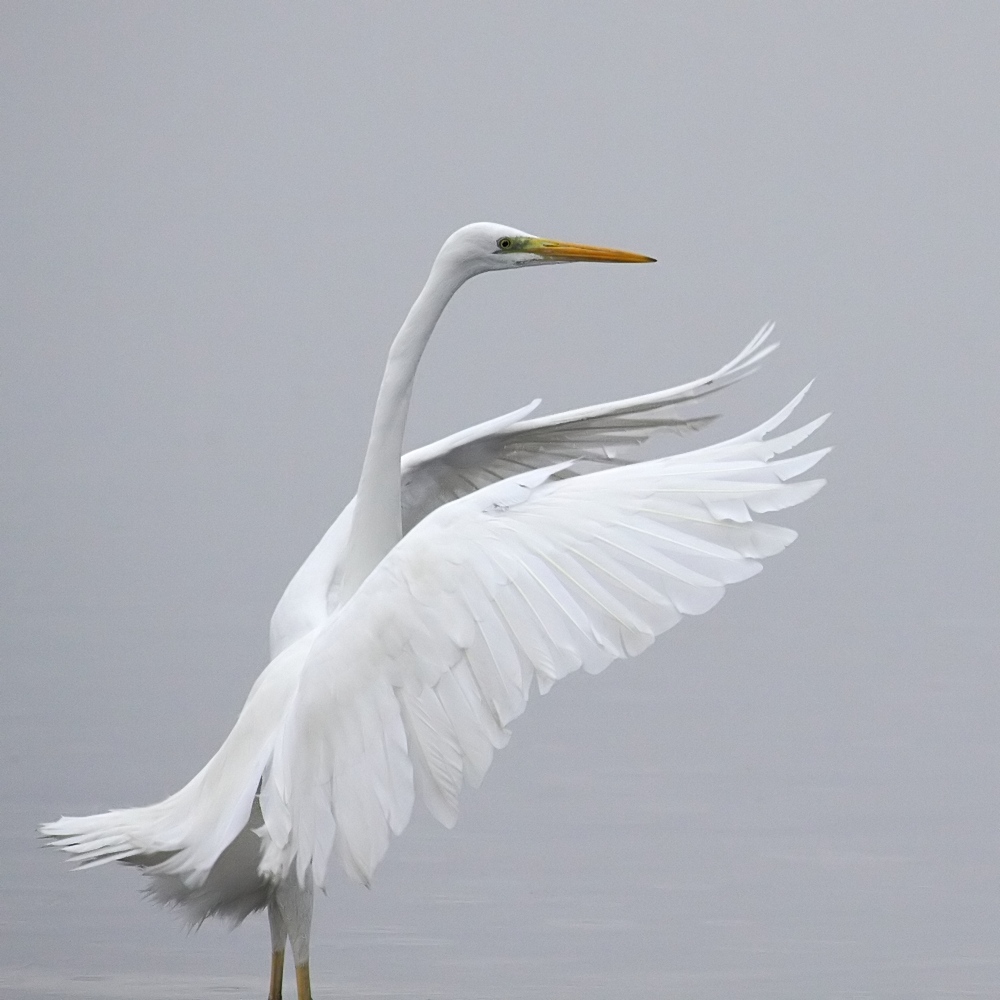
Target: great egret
<point>398,660</point>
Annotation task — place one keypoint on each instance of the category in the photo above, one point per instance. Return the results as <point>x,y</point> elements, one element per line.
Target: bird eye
<point>504,243</point>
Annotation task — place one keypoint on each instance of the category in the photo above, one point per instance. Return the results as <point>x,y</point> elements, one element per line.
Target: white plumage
<point>590,436</point>
<point>398,662</point>
<point>527,580</point>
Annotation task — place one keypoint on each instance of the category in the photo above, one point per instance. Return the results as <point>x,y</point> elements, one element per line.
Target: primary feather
<point>414,682</point>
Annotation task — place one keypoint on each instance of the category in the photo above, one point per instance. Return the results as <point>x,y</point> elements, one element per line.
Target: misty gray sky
<point>213,217</point>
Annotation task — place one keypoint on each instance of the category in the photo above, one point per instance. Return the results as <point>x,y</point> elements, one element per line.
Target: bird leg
<point>302,981</point>
<point>295,904</point>
<point>279,934</point>
<point>277,970</point>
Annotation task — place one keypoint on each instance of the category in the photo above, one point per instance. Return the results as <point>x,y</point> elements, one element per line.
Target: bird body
<point>462,576</point>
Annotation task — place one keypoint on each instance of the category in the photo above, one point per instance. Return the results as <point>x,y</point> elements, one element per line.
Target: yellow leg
<point>302,981</point>
<point>277,968</point>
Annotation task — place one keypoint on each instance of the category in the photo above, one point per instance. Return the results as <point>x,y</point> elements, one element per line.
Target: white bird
<point>410,638</point>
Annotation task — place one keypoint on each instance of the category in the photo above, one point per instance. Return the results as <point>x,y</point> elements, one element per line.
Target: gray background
<point>214,217</point>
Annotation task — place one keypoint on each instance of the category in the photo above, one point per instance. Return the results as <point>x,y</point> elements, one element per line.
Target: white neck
<point>377,522</point>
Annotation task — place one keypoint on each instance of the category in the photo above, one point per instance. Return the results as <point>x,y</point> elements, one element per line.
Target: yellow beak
<point>579,251</point>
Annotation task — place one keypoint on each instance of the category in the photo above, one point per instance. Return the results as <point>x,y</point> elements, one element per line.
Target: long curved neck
<point>377,522</point>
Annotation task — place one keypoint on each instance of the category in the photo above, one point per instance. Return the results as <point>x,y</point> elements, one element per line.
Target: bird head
<point>489,246</point>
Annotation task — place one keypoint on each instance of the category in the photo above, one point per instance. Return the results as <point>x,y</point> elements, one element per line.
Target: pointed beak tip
<point>625,257</point>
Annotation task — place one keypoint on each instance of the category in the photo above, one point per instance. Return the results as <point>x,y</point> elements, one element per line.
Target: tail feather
<point>198,847</point>
<point>95,840</point>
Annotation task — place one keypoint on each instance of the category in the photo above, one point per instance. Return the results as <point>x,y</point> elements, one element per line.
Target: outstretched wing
<point>412,685</point>
<point>508,445</point>
<point>505,446</point>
